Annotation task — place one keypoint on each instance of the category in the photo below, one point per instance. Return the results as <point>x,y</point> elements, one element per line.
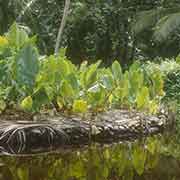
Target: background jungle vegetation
<point>120,29</point>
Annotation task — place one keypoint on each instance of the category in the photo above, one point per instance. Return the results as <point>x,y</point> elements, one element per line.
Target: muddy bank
<point>50,133</point>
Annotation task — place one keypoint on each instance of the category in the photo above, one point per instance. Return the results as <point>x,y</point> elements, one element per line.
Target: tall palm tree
<point>62,25</point>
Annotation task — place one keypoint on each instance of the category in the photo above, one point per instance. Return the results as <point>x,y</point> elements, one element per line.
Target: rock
<point>60,131</point>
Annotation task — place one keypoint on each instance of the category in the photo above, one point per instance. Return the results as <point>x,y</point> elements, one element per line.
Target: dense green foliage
<point>172,97</point>
<point>35,82</point>
<point>170,71</point>
<point>107,30</point>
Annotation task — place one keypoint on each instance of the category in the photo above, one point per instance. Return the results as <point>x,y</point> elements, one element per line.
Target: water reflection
<point>155,158</point>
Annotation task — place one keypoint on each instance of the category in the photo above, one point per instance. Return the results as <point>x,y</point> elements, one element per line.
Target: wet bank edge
<point>19,137</point>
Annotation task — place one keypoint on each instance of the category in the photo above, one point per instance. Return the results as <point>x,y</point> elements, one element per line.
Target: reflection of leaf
<point>138,159</point>
<point>152,161</point>
<point>76,169</point>
<point>120,159</point>
<point>122,163</point>
<point>23,173</point>
<point>129,174</point>
<point>53,170</point>
<point>104,171</point>
<point>106,154</point>
<point>152,145</point>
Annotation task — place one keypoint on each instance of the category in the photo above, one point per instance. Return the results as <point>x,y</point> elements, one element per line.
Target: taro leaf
<point>17,36</point>
<point>50,72</point>
<point>136,80</point>
<point>117,71</point>
<point>60,102</point>
<point>96,96</point>
<point>142,98</point>
<point>90,75</point>
<point>122,91</point>
<point>26,66</point>
<point>66,90</point>
<point>71,78</point>
<point>138,159</point>
<point>83,66</point>
<point>107,82</point>
<point>63,67</point>
<point>40,97</point>
<point>80,106</point>
<point>50,92</point>
<point>125,86</point>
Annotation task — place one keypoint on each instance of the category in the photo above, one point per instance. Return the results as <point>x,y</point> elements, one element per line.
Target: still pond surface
<point>153,158</point>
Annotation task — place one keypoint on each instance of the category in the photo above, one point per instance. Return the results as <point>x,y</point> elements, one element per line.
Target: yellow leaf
<point>27,103</point>
<point>153,107</point>
<point>80,106</point>
<point>110,99</point>
<point>3,41</point>
<point>59,102</point>
<point>2,105</point>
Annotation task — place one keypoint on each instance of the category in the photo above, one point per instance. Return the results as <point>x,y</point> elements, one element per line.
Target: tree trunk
<point>62,25</point>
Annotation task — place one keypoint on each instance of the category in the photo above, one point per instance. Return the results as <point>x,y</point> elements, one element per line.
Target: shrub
<point>172,86</point>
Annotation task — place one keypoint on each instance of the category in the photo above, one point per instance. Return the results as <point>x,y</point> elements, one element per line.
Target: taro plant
<point>54,82</point>
<point>19,64</point>
<point>78,89</point>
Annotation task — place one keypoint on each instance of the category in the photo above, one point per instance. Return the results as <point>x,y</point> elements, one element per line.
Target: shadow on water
<point>153,158</point>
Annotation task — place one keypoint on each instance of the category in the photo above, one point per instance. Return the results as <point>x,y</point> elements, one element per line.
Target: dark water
<point>154,158</point>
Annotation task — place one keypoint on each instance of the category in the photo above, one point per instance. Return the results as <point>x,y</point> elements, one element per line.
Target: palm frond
<point>144,20</point>
<point>25,8</point>
<point>148,19</point>
<point>166,27</point>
